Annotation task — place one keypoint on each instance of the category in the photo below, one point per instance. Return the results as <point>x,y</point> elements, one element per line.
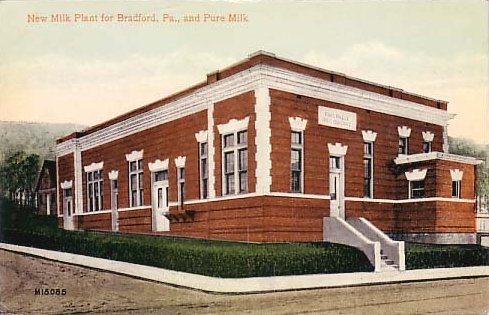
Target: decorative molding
<point>234,125</point>
<point>113,174</point>
<point>429,199</point>
<point>180,161</point>
<point>428,136</point>
<point>369,135</point>
<point>158,165</point>
<point>456,174</point>
<point>67,184</point>
<point>416,174</point>
<point>248,80</point>
<point>263,140</point>
<point>201,136</point>
<point>419,157</point>
<point>93,167</point>
<point>337,149</point>
<point>134,155</point>
<point>404,132</point>
<point>297,123</point>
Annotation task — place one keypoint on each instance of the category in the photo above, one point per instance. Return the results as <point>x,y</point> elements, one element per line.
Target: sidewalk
<point>251,285</point>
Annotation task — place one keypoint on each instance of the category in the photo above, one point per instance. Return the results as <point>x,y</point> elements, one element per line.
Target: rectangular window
<point>404,145</point>
<point>296,161</point>
<point>181,185</point>
<point>235,163</point>
<point>427,146</point>
<point>456,188</point>
<point>204,170</point>
<point>416,189</point>
<point>115,194</point>
<point>368,159</point>
<point>136,183</point>
<point>161,176</point>
<point>95,195</point>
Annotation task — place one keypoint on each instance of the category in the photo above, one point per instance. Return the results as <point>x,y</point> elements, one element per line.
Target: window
<point>426,146</point>
<point>235,163</point>
<point>416,189</point>
<point>456,188</point>
<point>404,145</point>
<point>368,159</point>
<point>296,161</point>
<point>334,162</point>
<point>204,170</point>
<point>181,185</point>
<point>95,194</point>
<point>160,176</point>
<point>136,183</point>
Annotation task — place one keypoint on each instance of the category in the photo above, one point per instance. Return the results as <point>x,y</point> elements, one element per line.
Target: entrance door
<point>114,193</point>
<point>160,206</point>
<point>336,187</point>
<point>68,210</point>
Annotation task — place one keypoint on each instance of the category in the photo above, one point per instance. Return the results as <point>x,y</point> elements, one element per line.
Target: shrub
<point>212,258</point>
<point>422,256</point>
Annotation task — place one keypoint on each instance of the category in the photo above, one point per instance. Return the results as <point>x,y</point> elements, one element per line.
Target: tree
<point>467,147</point>
<point>18,174</point>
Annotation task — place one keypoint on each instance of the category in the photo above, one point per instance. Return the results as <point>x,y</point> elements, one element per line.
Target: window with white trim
<point>296,161</point>
<point>136,183</point>
<point>95,193</point>
<point>427,147</point>
<point>235,162</point>
<point>204,170</point>
<point>416,189</point>
<point>403,145</point>
<point>181,185</point>
<point>368,164</point>
<point>456,185</point>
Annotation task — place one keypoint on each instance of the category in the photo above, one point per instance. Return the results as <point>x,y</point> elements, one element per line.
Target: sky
<point>88,72</point>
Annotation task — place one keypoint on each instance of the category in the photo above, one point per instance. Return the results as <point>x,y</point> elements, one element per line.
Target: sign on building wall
<point>337,118</point>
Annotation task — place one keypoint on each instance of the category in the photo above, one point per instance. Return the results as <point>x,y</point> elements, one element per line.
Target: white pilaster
<point>78,178</point>
<point>446,147</point>
<point>211,149</point>
<point>262,140</point>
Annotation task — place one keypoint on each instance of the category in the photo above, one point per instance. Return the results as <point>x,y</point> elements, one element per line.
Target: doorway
<point>337,186</point>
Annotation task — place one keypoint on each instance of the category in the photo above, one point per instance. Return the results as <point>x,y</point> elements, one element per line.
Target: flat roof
<point>264,57</point>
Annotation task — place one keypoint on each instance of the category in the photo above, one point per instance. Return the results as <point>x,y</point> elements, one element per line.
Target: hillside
<point>39,138</point>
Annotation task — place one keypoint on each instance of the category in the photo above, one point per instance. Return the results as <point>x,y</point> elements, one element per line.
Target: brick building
<point>270,149</point>
<point>46,188</point>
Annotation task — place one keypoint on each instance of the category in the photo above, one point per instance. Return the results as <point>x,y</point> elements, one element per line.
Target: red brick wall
<point>317,137</point>
<point>271,219</point>
<point>173,139</point>
<point>66,172</point>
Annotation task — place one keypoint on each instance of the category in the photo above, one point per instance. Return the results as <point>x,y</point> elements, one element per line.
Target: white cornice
<point>201,136</point>
<point>66,184</point>
<point>456,174</point>
<point>369,135</point>
<point>158,165</point>
<point>337,149</point>
<point>416,174</point>
<point>134,156</point>
<point>94,167</point>
<point>246,81</point>
<point>413,158</point>
<point>113,174</point>
<point>428,136</point>
<point>234,125</point>
<point>180,161</point>
<point>297,123</point>
<point>404,132</point>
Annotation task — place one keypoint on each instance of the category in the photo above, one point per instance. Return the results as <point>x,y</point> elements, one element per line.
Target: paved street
<point>90,291</point>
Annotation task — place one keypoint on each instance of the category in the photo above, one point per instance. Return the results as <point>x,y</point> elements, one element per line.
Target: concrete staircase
<point>383,253</point>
